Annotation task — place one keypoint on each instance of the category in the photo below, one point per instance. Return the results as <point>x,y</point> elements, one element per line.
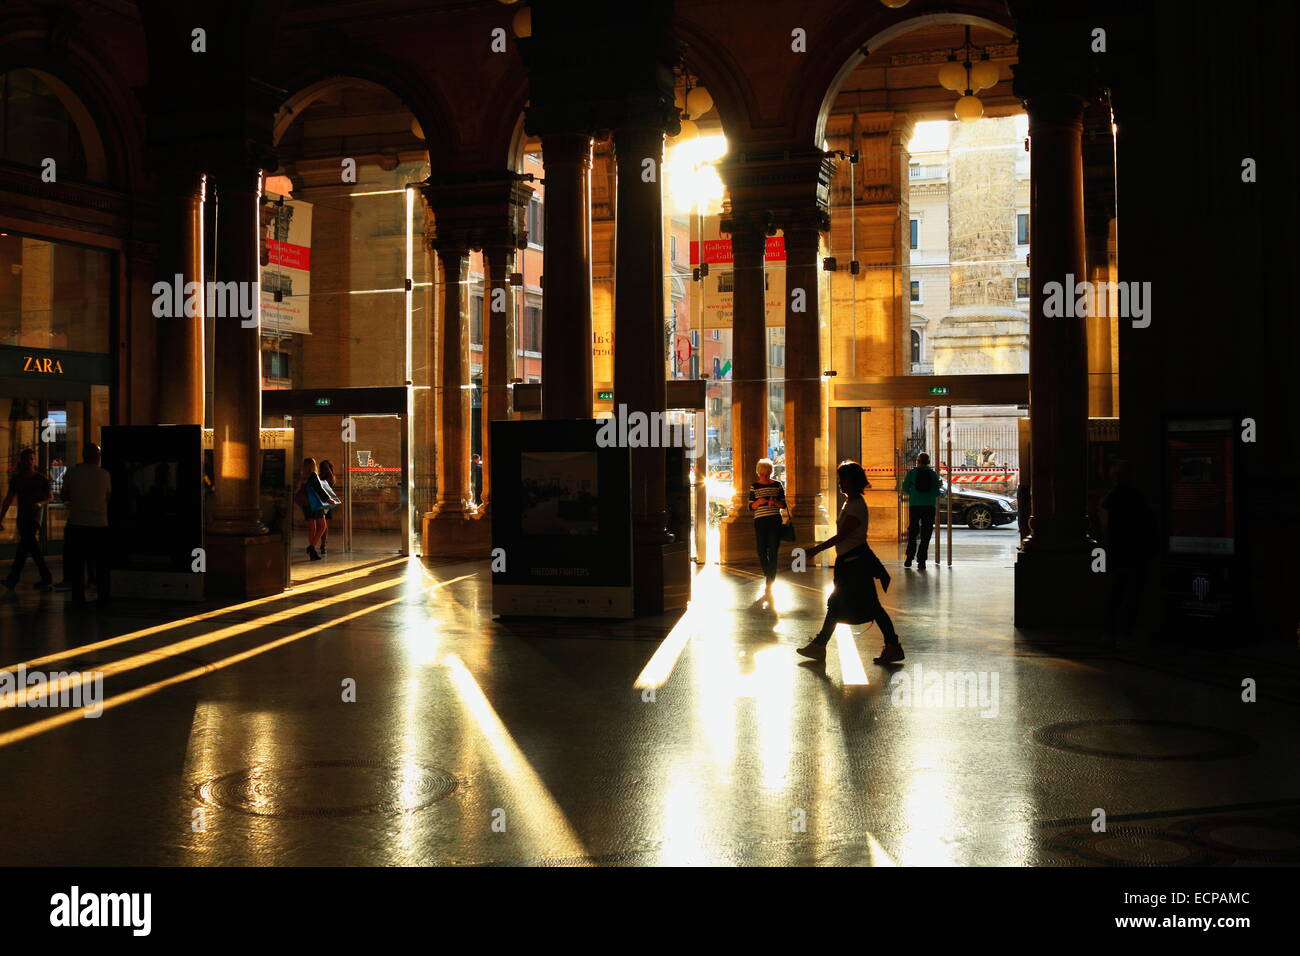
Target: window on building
<point>35,124</point>
<point>778,355</point>
<point>916,291</point>
<point>716,334</point>
<point>476,320</point>
<point>535,223</point>
<point>717,367</point>
<point>695,365</point>
<point>916,233</point>
<point>916,347</point>
<point>54,295</point>
<point>1022,287</point>
<point>1022,229</point>
<point>727,281</point>
<point>275,364</point>
<point>532,331</point>
<point>695,338</point>
<point>672,249</point>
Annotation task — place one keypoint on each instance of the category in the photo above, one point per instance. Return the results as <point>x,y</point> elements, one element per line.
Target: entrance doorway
<point>57,428</point>
<point>968,425</point>
<point>363,433</point>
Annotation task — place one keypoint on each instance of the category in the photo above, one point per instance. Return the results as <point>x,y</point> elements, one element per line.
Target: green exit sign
<point>604,396</point>
<point>938,389</point>
<point>323,401</point>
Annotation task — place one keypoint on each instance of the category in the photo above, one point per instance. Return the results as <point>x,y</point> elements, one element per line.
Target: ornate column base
<point>737,543</point>
<point>661,577</point>
<point>244,566</point>
<point>459,534</point>
<point>1055,588</point>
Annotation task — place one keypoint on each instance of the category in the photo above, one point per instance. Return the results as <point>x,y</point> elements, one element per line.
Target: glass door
<point>56,429</point>
<point>369,455</point>
<point>376,505</point>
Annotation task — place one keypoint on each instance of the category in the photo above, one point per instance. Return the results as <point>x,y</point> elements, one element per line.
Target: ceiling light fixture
<point>974,72</point>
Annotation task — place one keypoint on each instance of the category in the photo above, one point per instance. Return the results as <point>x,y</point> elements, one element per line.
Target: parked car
<point>976,509</point>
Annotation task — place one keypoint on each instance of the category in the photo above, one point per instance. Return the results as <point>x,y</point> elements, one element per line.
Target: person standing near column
<point>32,489</point>
<point>314,497</point>
<point>87,489</point>
<point>921,485</point>
<point>766,501</point>
<point>327,482</point>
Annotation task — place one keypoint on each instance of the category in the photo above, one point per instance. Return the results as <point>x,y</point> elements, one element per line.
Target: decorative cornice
<point>479,210</point>
<point>1000,51</point>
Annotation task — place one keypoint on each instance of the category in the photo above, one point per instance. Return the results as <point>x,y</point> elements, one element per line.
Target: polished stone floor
<point>230,735</point>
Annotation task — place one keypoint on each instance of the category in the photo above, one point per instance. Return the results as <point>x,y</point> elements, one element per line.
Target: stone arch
<point>720,73</point>
<point>106,117</point>
<point>845,40</point>
<point>505,138</point>
<point>425,108</point>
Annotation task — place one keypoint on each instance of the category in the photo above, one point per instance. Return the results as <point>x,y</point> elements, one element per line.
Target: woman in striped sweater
<point>766,501</point>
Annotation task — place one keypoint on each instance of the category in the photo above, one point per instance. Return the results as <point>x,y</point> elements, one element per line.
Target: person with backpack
<point>313,497</point>
<point>922,487</point>
<point>326,473</point>
<point>854,600</point>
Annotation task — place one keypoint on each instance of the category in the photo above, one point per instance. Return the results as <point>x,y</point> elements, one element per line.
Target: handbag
<point>787,526</point>
<point>854,597</point>
<point>300,496</point>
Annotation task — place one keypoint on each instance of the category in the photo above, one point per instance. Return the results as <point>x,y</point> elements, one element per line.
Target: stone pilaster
<point>566,266</point>
<point>1053,582</point>
<point>469,211</point>
<point>748,382</point>
<point>237,411</point>
<point>180,337</point>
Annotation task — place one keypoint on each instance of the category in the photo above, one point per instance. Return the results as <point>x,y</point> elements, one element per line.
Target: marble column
<point>1054,583</point>
<point>180,337</point>
<point>639,360</point>
<point>453,397</point>
<point>803,406</point>
<point>237,404</point>
<point>499,346</point>
<point>748,383</point>
<point>567,390</point>
<point>1058,388</point>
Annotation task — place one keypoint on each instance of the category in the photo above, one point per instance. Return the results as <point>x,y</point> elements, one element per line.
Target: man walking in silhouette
<point>921,485</point>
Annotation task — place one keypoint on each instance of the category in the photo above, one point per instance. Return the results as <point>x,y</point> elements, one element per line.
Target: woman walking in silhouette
<point>854,600</point>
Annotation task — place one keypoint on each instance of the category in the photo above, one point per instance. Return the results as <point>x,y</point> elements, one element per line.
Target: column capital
<point>449,248</point>
<point>781,183</point>
<point>803,227</point>
<point>499,255</point>
<point>241,173</point>
<point>903,128</point>
<point>752,226</point>
<point>477,209</point>
<point>636,140</point>
<point>182,180</point>
<point>1054,107</point>
<point>567,148</point>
